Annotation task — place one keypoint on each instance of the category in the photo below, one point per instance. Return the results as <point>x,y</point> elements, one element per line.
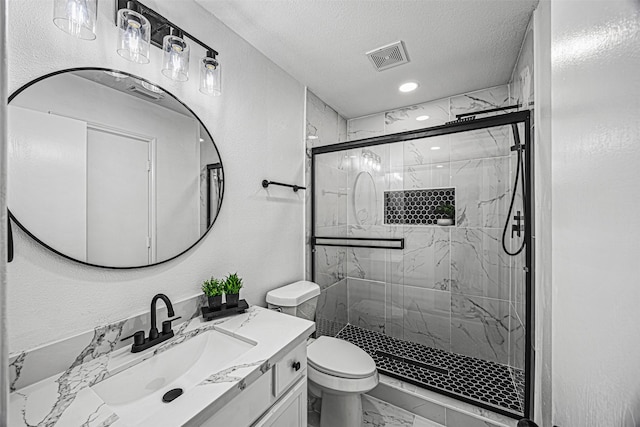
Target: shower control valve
<point>518,227</point>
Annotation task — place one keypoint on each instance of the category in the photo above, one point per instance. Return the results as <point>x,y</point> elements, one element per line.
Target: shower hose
<point>519,176</point>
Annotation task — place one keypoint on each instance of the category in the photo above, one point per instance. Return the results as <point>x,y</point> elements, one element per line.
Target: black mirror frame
<point>23,228</point>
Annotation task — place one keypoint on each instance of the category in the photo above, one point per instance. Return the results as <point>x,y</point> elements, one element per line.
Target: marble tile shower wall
<point>452,288</point>
<point>324,126</point>
<point>522,90</point>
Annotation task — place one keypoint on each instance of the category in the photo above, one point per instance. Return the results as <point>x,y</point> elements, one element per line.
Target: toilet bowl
<point>338,371</point>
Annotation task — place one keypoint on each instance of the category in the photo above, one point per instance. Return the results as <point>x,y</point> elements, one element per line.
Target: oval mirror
<point>109,169</point>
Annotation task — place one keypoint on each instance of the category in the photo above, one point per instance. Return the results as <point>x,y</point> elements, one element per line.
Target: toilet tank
<point>297,299</point>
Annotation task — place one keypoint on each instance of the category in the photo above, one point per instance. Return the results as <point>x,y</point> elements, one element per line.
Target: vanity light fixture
<point>140,27</point>
<point>422,118</point>
<point>435,148</point>
<point>76,17</point>
<point>175,62</point>
<point>210,75</point>
<point>408,87</point>
<point>134,34</point>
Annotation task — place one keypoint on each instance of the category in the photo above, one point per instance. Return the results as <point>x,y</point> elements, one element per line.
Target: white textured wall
<point>4,364</point>
<point>257,125</point>
<point>595,91</point>
<point>543,213</point>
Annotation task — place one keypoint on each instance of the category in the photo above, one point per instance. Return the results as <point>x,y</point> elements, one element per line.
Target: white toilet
<point>339,372</point>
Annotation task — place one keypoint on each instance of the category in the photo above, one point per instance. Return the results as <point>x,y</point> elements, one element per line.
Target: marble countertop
<point>66,399</point>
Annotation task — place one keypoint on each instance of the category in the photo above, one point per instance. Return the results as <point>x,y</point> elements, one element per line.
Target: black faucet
<point>141,343</point>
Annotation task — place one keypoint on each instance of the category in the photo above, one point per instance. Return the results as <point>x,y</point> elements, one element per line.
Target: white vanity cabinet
<point>290,410</point>
<point>278,398</point>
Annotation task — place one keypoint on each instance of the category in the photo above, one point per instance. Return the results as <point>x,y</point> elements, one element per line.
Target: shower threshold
<point>490,385</point>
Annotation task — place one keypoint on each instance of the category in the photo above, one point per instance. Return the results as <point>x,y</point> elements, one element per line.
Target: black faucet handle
<point>138,338</point>
<point>166,325</point>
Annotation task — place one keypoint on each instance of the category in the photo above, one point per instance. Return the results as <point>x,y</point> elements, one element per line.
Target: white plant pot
<point>445,221</point>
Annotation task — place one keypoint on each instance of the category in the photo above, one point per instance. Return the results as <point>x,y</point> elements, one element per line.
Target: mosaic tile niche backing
<point>416,206</point>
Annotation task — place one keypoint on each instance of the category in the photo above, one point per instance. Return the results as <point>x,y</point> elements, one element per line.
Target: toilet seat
<point>340,359</point>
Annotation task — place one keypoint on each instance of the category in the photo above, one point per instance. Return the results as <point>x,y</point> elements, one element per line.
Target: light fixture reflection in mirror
<point>134,36</point>
<point>76,17</point>
<point>175,64</point>
<point>210,76</point>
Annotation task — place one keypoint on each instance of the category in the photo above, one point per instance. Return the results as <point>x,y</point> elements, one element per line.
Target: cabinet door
<point>290,411</point>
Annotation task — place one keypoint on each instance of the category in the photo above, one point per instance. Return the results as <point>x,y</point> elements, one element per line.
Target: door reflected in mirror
<point>109,169</point>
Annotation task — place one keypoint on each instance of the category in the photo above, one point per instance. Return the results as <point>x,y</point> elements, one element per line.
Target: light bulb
<point>210,76</point>
<point>134,36</point>
<point>176,58</point>
<point>76,17</point>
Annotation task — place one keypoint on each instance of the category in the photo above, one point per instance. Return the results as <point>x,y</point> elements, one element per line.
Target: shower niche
<point>445,308</point>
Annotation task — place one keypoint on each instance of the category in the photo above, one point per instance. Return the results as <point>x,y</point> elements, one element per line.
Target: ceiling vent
<point>145,94</point>
<point>388,56</point>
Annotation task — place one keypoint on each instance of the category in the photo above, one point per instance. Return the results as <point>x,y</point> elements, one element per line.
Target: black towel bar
<point>266,183</point>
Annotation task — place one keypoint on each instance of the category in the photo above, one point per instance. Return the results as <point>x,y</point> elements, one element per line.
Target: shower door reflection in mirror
<point>110,170</point>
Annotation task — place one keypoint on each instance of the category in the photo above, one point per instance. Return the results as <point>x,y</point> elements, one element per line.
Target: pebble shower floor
<point>478,380</point>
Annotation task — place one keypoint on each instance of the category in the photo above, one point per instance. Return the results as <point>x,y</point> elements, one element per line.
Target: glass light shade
<point>76,17</point>
<point>175,63</point>
<point>134,36</point>
<point>210,77</point>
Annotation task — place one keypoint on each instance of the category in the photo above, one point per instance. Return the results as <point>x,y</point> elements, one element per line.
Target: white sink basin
<point>136,393</point>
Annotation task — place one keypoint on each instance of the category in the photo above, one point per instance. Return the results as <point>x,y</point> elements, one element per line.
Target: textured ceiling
<point>454,46</point>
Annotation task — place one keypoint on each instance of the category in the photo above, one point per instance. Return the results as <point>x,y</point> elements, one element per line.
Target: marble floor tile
<point>376,413</point>
<point>366,304</point>
<point>480,328</point>
<point>427,317</point>
<point>423,422</point>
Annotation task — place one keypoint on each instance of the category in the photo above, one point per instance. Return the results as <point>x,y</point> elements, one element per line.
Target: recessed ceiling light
<point>201,140</point>
<point>408,87</point>
<point>312,137</point>
<point>439,166</point>
<point>422,118</point>
<point>435,148</point>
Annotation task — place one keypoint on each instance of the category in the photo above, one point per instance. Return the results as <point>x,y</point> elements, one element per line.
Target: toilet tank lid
<point>294,294</point>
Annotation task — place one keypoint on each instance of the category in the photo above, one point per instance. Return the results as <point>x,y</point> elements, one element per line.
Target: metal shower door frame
<point>459,126</point>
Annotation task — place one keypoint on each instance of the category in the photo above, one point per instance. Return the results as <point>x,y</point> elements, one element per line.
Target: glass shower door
<point>439,306</point>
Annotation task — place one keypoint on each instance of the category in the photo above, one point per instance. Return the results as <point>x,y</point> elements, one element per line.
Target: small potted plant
<point>448,211</point>
<point>232,285</point>
<point>213,289</point>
